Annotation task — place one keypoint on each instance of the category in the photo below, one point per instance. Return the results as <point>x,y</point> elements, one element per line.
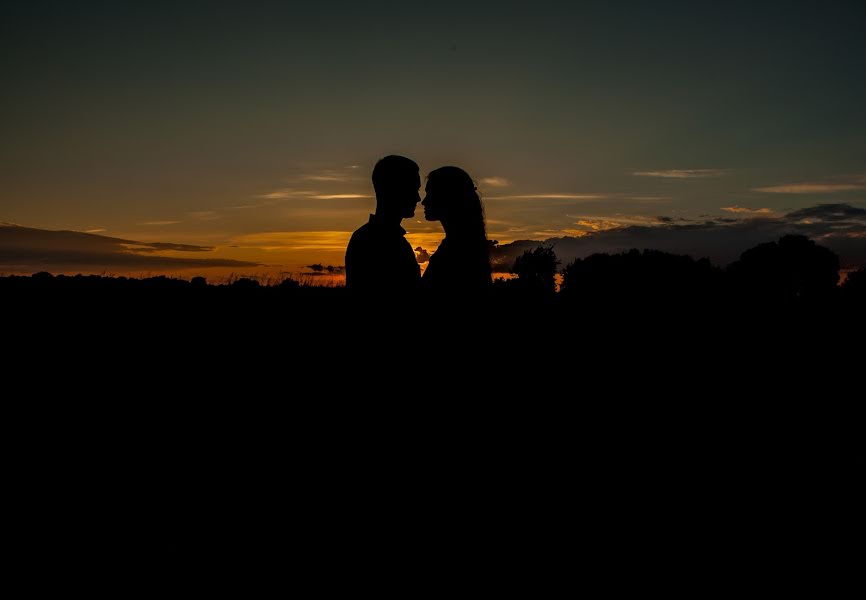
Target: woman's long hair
<point>460,202</point>
<point>461,205</point>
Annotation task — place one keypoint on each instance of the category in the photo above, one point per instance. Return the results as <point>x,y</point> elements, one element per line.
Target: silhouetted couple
<point>380,261</point>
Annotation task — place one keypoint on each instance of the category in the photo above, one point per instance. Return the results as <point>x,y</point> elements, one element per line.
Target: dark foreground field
<point>648,409</point>
<point>641,356</point>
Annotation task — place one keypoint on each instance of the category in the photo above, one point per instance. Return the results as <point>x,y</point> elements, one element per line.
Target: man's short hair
<point>393,172</point>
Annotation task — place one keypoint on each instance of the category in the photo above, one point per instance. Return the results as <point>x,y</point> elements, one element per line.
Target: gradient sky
<point>254,126</point>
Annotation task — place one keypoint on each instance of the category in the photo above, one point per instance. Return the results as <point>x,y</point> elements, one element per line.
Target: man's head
<point>396,180</point>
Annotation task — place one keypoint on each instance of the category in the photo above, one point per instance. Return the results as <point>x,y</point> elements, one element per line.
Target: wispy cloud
<point>550,197</point>
<point>324,178</point>
<point>319,268</point>
<point>332,175</point>
<point>810,188</point>
<point>295,240</point>
<point>24,249</point>
<point>597,224</point>
<point>94,230</point>
<point>160,223</point>
<point>830,212</point>
<point>151,247</point>
<point>339,196</point>
<point>287,193</point>
<point>499,182</point>
<point>747,211</point>
<point>594,223</point>
<point>841,227</point>
<point>307,195</point>
<point>205,215</point>
<point>575,233</point>
<point>683,173</point>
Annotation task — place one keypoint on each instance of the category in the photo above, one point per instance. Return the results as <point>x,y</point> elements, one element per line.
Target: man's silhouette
<point>379,259</point>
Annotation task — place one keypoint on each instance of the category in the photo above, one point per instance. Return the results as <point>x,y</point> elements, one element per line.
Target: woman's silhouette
<point>461,264</point>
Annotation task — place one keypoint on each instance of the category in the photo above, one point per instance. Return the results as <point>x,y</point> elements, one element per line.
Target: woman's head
<point>451,197</point>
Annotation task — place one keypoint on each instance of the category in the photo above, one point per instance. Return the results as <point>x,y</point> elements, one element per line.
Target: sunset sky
<point>247,130</point>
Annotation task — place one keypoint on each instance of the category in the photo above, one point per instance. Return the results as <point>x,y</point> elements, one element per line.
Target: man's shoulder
<point>374,232</point>
<point>363,232</point>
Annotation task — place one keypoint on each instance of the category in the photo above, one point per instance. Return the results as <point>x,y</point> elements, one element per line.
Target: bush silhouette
<point>289,284</point>
<point>245,283</point>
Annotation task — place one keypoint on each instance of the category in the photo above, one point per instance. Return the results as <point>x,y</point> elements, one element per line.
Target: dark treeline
<point>776,283</point>
<point>779,295</point>
<point>793,272</point>
<point>642,366</point>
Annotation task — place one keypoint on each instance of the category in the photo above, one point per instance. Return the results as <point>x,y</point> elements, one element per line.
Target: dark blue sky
<point>160,120</point>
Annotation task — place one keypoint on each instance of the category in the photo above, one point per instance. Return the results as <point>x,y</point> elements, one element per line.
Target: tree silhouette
<point>536,270</point>
<point>653,277</point>
<point>793,268</point>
